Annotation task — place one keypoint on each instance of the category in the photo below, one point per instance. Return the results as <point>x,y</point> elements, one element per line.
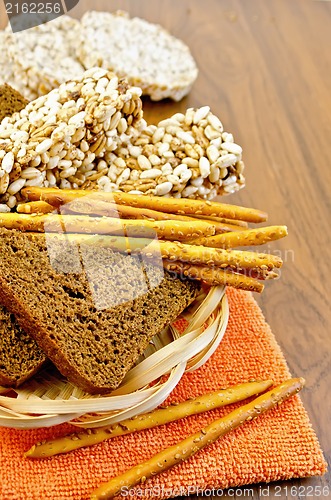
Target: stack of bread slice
<point>91,311</point>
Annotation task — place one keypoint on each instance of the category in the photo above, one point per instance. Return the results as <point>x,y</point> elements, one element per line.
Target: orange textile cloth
<point>280,444</point>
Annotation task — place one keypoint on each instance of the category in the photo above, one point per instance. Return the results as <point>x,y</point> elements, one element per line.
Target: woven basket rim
<point>49,399</point>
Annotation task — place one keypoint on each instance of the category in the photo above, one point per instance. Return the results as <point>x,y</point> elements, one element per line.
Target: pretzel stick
<point>35,207</point>
<point>151,248</point>
<point>259,274</point>
<point>181,206</point>
<point>53,198</point>
<point>175,454</point>
<point>171,230</point>
<point>121,244</point>
<point>56,196</point>
<point>213,277</point>
<point>231,222</point>
<point>235,259</point>
<point>246,279</point>
<point>175,251</point>
<point>155,418</point>
<point>91,206</point>
<point>242,238</point>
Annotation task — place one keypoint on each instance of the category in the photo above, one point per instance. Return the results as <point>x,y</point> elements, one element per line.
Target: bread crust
<point>31,326</point>
<point>20,357</point>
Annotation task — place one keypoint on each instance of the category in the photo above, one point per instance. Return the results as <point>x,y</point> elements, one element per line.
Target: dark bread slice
<point>20,356</point>
<point>11,101</point>
<point>91,310</point>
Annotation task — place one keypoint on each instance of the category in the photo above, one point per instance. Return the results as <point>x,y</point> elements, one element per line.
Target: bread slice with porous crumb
<point>20,356</point>
<point>11,101</point>
<point>91,310</point>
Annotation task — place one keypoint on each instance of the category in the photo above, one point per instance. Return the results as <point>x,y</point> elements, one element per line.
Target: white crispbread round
<point>9,73</point>
<point>45,55</point>
<point>146,54</point>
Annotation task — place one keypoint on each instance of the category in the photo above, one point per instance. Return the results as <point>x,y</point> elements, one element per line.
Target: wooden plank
<point>265,70</point>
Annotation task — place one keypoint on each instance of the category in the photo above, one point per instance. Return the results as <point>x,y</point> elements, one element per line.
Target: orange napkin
<point>278,445</point>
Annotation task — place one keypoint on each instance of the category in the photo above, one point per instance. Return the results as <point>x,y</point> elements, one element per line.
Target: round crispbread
<point>45,56</point>
<point>146,54</point>
<point>9,73</point>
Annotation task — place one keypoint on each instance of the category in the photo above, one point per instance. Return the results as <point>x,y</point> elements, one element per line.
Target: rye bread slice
<point>11,101</point>
<point>91,310</point>
<point>20,356</point>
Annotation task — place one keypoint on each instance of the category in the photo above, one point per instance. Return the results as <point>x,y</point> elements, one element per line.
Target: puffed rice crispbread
<point>44,56</point>
<point>90,133</point>
<point>188,155</point>
<point>11,75</point>
<point>144,53</point>
<point>61,138</point>
<point>39,59</point>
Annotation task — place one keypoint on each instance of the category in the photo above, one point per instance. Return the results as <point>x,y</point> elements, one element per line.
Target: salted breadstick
<point>155,418</point>
<point>245,279</point>
<point>188,447</point>
<point>91,206</point>
<point>181,206</point>
<point>56,196</point>
<point>235,259</point>
<point>151,248</point>
<point>213,276</point>
<point>242,238</point>
<point>170,230</point>
<point>35,207</point>
<point>73,202</point>
<point>259,274</point>
<point>230,222</point>
<point>121,244</point>
<point>192,254</point>
<point>88,206</point>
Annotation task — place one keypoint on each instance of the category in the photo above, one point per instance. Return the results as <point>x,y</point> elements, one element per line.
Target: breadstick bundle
<point>195,239</point>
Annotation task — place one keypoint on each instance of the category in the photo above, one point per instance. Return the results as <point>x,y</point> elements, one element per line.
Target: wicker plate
<point>49,399</point>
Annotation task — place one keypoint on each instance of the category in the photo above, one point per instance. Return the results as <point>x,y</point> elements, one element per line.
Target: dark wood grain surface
<point>265,70</point>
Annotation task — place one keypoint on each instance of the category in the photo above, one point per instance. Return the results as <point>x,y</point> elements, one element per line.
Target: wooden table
<point>265,70</point>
